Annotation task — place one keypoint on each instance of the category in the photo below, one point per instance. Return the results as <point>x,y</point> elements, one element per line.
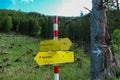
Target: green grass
<point>17,54</point>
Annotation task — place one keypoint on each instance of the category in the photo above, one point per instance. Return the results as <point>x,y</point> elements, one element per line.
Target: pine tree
<point>9,24</point>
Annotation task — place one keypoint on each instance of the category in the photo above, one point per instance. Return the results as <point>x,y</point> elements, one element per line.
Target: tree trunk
<point>98,37</point>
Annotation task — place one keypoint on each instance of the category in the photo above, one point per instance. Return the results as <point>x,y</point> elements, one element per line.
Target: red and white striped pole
<point>55,36</point>
<point>56,72</point>
<point>55,27</point>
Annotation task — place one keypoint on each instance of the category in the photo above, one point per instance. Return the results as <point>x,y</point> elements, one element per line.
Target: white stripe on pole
<point>56,76</point>
<point>55,27</point>
<point>55,37</point>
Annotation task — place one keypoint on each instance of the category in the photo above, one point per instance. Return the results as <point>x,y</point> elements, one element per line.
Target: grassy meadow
<point>17,54</point>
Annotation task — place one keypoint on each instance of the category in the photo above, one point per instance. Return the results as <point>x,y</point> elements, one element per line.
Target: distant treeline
<point>36,24</point>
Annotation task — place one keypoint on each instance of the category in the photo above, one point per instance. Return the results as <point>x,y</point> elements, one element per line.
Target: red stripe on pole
<point>55,33</point>
<point>55,20</point>
<point>56,69</point>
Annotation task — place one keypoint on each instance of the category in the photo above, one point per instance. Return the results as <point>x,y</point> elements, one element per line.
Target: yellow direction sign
<point>55,45</point>
<point>46,58</point>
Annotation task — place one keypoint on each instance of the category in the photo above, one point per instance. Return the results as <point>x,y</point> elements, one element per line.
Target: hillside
<point>17,54</point>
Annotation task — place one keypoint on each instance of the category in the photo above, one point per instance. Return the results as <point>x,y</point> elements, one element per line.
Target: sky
<point>49,7</point>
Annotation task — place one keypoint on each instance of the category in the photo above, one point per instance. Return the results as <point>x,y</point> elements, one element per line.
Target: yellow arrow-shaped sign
<point>46,58</point>
<point>55,45</point>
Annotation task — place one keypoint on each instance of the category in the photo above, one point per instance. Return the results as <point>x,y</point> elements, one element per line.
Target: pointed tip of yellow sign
<point>58,57</point>
<point>54,45</point>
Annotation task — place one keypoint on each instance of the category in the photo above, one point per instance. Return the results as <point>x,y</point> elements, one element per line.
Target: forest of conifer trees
<point>39,25</point>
